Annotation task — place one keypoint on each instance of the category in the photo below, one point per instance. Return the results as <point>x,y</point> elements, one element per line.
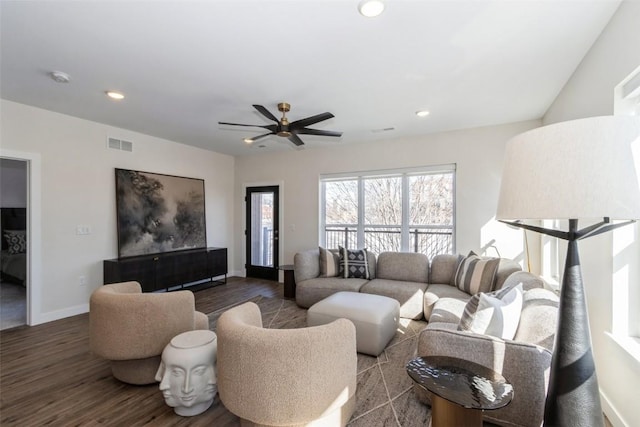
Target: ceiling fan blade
<point>272,128</point>
<point>255,138</point>
<point>265,112</point>
<point>308,131</point>
<point>240,124</point>
<point>294,138</point>
<point>310,120</point>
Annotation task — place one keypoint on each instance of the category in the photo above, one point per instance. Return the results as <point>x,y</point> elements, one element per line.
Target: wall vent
<point>119,144</point>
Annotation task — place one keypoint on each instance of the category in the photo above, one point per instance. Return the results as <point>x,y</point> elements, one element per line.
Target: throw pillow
<point>476,274</point>
<point>495,313</point>
<point>353,263</point>
<point>16,241</point>
<point>329,263</point>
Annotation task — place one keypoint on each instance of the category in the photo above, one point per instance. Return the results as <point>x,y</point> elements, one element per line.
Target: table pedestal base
<point>445,413</point>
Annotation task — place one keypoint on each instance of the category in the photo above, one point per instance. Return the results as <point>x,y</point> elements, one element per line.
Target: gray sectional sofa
<point>406,277</point>
<point>429,290</point>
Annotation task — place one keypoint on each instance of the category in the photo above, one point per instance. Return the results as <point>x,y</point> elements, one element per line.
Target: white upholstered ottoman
<point>374,316</point>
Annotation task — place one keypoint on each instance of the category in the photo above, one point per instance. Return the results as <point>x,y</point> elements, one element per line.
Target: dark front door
<point>262,232</point>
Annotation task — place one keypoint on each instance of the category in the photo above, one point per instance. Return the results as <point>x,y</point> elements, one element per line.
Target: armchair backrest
<point>284,376</point>
<point>125,323</point>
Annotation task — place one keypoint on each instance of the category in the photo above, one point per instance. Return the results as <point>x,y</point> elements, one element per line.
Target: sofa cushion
<point>495,313</point>
<point>353,263</point>
<point>448,310</point>
<point>404,266</point>
<point>310,291</point>
<point>476,274</point>
<point>443,268</point>
<point>329,262</point>
<point>436,291</point>
<point>538,318</point>
<point>408,294</point>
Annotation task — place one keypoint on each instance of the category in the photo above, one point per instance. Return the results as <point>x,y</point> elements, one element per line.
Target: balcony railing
<point>429,240</point>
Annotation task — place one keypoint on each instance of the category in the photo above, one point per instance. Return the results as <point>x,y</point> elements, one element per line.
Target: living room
<point>72,183</point>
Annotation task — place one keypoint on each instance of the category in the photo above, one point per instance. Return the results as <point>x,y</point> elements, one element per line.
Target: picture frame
<point>158,213</point>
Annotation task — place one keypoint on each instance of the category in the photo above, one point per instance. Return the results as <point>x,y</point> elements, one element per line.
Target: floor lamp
<point>576,170</point>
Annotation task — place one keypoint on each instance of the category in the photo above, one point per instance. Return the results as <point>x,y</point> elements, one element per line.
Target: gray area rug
<point>13,305</point>
<point>385,395</point>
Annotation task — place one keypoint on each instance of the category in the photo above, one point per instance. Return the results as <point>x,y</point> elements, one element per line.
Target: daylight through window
<point>410,210</point>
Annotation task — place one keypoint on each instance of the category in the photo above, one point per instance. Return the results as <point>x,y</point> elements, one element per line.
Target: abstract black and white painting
<point>158,213</point>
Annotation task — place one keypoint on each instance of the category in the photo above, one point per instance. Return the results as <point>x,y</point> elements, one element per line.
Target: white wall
<point>13,183</point>
<point>478,154</point>
<point>588,93</point>
<point>78,188</point>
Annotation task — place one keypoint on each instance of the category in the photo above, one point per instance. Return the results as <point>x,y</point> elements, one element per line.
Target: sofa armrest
<point>525,366</point>
<point>306,265</point>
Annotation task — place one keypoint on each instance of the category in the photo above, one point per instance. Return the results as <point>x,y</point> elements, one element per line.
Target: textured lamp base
<point>573,398</point>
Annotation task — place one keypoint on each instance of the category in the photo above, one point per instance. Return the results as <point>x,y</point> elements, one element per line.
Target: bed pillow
<point>494,313</point>
<point>476,274</point>
<point>16,241</point>
<point>329,263</point>
<point>353,263</point>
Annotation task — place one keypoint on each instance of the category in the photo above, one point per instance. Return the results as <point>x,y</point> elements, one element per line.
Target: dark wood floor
<point>49,377</point>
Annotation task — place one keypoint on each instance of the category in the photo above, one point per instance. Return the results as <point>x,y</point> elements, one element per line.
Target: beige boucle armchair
<point>286,377</point>
<point>131,328</point>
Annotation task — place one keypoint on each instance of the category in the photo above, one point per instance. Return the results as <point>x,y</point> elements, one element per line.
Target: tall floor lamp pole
<point>573,170</point>
<point>573,380</point>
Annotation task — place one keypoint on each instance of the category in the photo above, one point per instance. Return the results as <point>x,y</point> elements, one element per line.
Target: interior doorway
<point>262,232</point>
<point>14,237</point>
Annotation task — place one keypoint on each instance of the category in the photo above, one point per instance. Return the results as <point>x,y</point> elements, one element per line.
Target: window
<point>626,240</point>
<point>410,210</point>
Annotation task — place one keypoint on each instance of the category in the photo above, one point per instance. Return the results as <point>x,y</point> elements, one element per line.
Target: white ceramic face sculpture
<point>187,372</point>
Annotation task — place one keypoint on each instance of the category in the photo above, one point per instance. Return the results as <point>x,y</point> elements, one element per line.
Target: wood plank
<point>48,376</point>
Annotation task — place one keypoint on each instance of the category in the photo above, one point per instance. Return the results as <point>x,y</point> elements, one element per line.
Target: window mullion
<point>405,240</point>
<point>361,196</point>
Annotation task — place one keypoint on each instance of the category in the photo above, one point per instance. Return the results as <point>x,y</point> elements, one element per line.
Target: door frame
<point>34,232</point>
<point>280,185</point>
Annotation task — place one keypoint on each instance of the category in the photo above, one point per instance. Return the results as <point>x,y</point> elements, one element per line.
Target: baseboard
<point>61,314</point>
<point>610,411</point>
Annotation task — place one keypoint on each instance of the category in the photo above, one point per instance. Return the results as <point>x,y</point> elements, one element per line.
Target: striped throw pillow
<point>329,263</point>
<point>476,274</point>
<point>353,263</point>
<point>494,313</point>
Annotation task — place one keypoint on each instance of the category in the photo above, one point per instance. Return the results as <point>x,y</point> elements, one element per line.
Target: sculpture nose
<point>186,385</point>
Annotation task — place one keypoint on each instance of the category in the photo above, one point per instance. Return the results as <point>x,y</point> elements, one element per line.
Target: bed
<point>13,259</point>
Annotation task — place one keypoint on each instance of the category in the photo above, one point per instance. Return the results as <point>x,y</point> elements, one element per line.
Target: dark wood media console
<point>167,270</point>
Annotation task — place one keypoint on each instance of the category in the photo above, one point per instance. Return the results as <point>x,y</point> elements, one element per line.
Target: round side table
<point>289,281</point>
<point>460,389</point>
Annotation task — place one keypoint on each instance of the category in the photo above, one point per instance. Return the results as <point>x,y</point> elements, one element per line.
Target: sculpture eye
<point>177,372</point>
<point>200,370</point>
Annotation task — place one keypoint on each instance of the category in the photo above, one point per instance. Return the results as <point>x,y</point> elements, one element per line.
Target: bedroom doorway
<point>13,234</point>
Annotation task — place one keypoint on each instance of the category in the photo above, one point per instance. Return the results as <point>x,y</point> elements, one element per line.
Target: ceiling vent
<point>119,144</point>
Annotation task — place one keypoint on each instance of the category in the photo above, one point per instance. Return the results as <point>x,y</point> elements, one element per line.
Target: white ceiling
<point>185,65</point>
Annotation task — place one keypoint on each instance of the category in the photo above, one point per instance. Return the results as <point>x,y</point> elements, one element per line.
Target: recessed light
<point>422,113</point>
<point>114,95</point>
<point>371,8</point>
<point>248,140</point>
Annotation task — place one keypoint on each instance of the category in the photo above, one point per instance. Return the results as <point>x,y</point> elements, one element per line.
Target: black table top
<point>465,383</point>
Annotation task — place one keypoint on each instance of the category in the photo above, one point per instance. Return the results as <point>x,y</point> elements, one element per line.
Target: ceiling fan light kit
<point>286,129</point>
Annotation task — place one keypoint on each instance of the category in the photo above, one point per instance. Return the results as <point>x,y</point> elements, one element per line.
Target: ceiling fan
<point>287,129</point>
